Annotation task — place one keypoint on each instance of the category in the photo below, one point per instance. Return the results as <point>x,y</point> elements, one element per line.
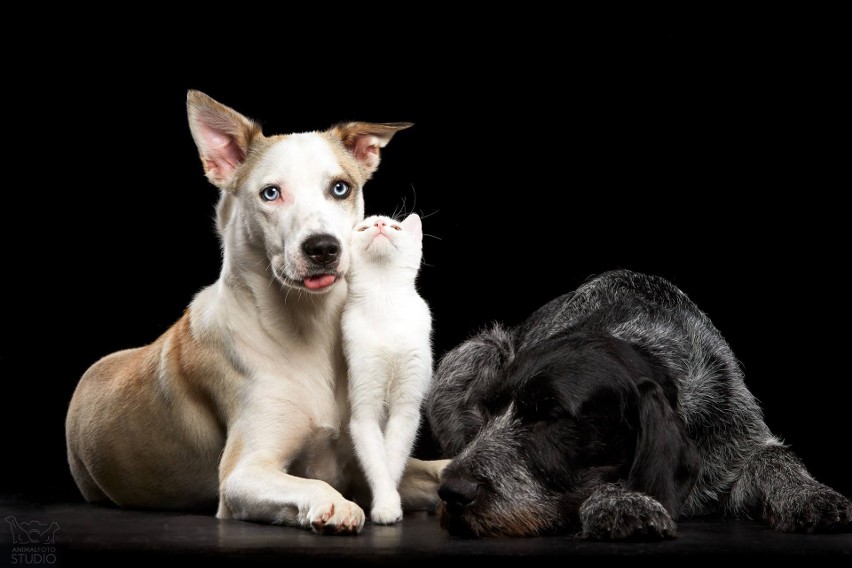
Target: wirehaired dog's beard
<point>514,510</point>
<point>512,499</point>
<point>521,520</point>
<point>459,523</point>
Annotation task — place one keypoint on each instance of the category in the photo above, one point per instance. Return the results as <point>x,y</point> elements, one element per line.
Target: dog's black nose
<point>458,490</point>
<point>322,249</point>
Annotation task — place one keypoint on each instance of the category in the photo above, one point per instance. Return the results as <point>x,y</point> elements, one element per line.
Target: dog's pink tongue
<point>319,282</point>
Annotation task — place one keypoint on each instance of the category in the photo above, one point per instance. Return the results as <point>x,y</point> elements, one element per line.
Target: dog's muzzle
<point>322,253</point>
<point>457,493</point>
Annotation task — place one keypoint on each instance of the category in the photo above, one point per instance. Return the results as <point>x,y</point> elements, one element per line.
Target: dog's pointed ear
<point>665,464</point>
<point>223,136</point>
<point>364,140</point>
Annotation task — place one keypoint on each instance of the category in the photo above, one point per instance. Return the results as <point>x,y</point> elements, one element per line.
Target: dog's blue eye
<point>270,193</point>
<point>340,189</point>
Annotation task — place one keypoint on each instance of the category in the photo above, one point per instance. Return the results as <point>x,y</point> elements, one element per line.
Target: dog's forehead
<point>299,159</point>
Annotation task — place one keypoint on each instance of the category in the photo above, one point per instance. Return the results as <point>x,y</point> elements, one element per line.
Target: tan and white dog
<point>242,404</point>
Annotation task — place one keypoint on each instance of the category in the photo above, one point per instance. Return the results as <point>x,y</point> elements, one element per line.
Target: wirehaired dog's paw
<point>810,509</point>
<point>337,517</point>
<point>620,515</point>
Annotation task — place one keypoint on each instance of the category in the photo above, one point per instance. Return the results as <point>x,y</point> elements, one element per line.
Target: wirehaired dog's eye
<point>270,193</point>
<point>496,404</point>
<point>543,409</point>
<point>340,189</point>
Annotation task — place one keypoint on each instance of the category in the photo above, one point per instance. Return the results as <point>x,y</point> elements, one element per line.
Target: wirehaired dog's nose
<point>322,249</point>
<point>458,490</point>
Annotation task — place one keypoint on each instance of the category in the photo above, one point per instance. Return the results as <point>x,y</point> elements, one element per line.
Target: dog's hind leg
<point>91,491</point>
<point>418,487</point>
<point>775,485</point>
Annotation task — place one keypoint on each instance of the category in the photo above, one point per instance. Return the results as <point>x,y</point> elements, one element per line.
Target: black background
<point>713,159</point>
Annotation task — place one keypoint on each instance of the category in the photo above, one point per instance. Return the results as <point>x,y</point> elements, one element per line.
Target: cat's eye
<point>397,227</point>
<point>270,193</point>
<point>362,229</point>
<point>340,189</point>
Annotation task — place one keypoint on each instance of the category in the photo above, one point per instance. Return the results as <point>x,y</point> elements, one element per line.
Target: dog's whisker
<point>271,272</point>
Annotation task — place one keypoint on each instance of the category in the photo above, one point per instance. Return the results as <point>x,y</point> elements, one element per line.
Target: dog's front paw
<point>619,515</point>
<point>387,510</point>
<point>336,517</point>
<point>810,509</point>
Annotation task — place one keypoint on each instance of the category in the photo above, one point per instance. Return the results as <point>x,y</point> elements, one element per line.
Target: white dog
<point>243,402</point>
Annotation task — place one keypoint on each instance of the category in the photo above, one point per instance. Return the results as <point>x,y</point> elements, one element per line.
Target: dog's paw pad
<point>338,517</point>
<point>812,509</point>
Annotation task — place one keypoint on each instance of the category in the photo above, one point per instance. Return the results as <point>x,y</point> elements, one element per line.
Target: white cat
<point>386,337</point>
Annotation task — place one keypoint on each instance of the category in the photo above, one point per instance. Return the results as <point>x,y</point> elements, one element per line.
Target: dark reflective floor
<point>89,535</point>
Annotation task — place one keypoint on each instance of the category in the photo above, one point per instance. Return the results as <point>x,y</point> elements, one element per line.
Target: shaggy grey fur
<point>744,470</point>
<point>614,513</point>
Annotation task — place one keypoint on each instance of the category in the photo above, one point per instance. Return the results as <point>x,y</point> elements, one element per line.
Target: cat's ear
<point>412,224</point>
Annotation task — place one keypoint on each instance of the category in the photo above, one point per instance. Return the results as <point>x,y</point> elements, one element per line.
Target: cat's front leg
<point>370,449</point>
<point>404,402</point>
<point>367,393</point>
<point>387,508</point>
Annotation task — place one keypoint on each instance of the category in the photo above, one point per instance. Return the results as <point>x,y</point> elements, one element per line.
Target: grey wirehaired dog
<point>611,410</point>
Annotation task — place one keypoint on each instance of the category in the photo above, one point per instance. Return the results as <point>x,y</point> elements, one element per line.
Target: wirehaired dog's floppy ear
<point>665,464</point>
<point>365,139</point>
<point>223,136</point>
<point>462,381</point>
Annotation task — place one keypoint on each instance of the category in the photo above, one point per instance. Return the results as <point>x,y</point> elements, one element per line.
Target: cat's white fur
<point>387,340</point>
